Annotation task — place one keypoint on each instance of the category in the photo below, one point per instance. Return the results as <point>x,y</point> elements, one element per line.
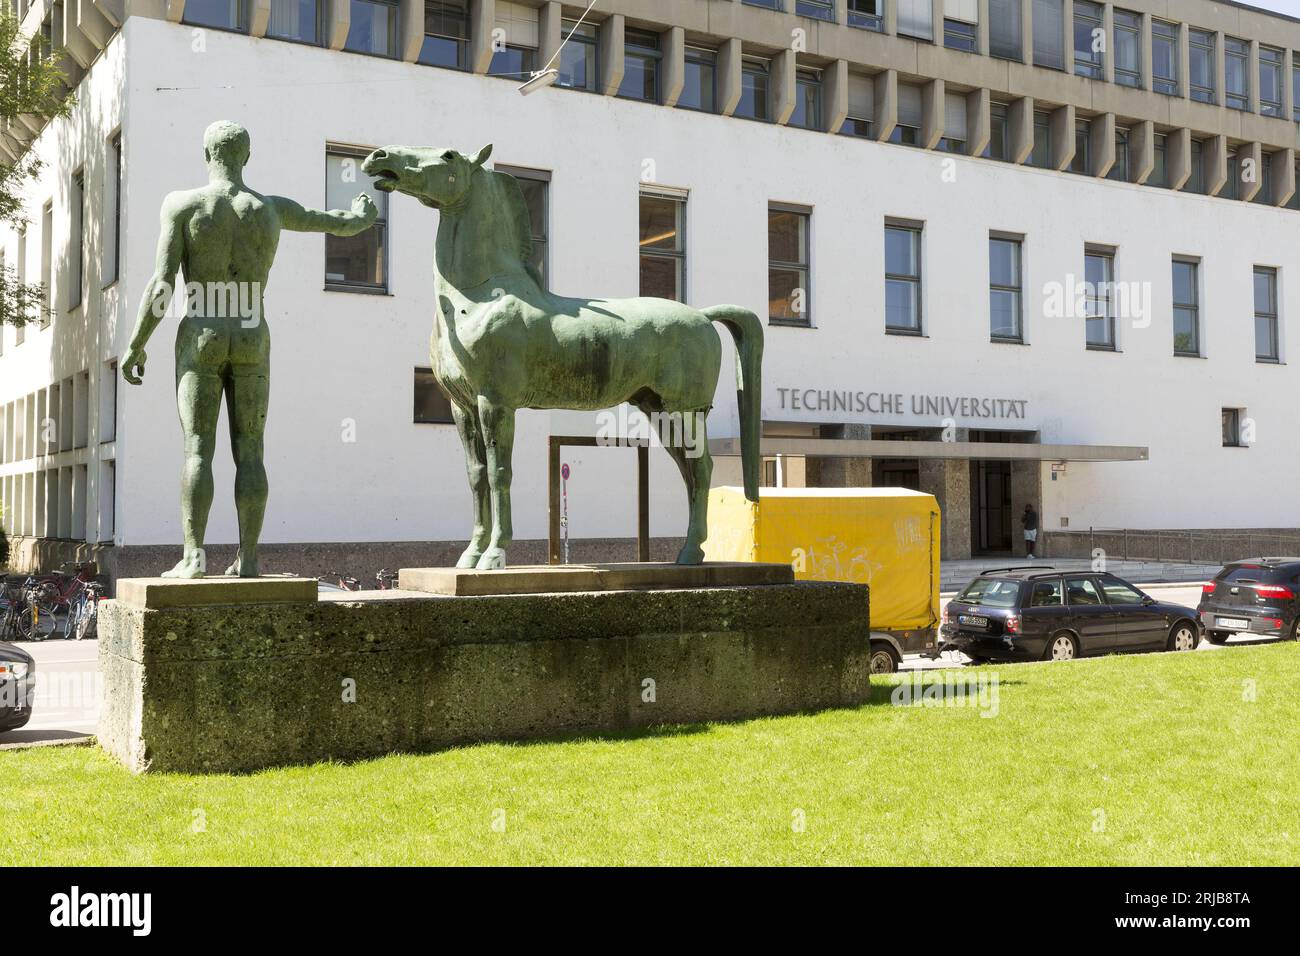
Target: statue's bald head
<point>226,143</point>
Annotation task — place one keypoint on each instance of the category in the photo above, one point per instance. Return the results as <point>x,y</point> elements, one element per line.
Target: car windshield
<point>1250,573</point>
<point>991,592</point>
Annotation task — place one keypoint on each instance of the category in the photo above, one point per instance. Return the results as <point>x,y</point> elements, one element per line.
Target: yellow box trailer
<point>887,538</point>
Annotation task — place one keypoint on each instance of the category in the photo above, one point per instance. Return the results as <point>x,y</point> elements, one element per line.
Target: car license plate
<point>1240,623</point>
<point>973,620</point>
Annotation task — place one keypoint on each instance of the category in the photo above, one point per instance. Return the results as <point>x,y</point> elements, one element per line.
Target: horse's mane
<point>507,190</point>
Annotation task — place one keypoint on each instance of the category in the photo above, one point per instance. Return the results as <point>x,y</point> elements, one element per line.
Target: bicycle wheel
<point>35,623</point>
<point>87,612</point>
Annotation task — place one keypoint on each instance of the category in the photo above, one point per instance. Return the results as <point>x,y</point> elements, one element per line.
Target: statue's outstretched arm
<point>336,222</point>
<point>153,304</point>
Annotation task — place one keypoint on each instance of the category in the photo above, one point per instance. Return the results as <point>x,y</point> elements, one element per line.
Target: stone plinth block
<point>553,578</point>
<point>159,593</point>
<point>228,688</point>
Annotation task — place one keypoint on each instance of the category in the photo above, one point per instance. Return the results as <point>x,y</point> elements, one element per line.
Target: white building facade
<point>1003,280</point>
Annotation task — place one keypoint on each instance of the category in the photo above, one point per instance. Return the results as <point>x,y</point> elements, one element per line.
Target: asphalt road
<point>67,691</point>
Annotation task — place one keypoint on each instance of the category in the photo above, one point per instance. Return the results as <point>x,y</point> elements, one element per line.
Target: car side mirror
<point>1148,600</point>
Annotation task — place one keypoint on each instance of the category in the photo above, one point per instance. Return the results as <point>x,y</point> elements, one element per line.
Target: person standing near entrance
<point>1029,521</point>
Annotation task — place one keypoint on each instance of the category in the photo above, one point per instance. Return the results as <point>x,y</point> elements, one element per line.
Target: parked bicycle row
<point>385,580</point>
<point>41,607</point>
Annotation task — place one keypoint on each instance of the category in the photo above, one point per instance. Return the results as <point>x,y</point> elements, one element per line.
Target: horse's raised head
<point>437,177</point>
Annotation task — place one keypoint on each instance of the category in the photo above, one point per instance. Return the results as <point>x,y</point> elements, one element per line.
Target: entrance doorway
<point>992,493</point>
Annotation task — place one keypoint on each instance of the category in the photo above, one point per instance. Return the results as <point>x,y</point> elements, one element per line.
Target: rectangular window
<point>903,279</point>
<point>816,9</point>
<point>47,256</point>
<point>1160,173</point>
<point>1006,30</point>
<point>1295,89</point>
<point>446,34</point>
<point>768,4</point>
<point>999,144</point>
<point>1203,60</point>
<point>916,19</point>
<point>788,256</point>
<point>354,263</point>
<point>1119,172</point>
<point>1196,181</point>
<point>753,90</point>
<point>1236,68</point>
<point>1082,148</point>
<point>373,28</point>
<point>1270,80</point>
<point>579,56</point>
<point>862,106</point>
<point>640,66</point>
<point>76,239</point>
<point>961,25</point>
<point>535,184</point>
<point>219,14</point>
<point>1264,195</point>
<point>907,132</point>
<point>1005,289</point>
<point>1266,344</point>
<point>515,57</point>
<point>700,81</point>
<point>1231,423</point>
<point>1042,154</point>
<point>807,100</point>
<point>1089,40</point>
<point>113,209</point>
<point>297,20</point>
<point>1187,310</point>
<point>954,123</point>
<point>432,406</point>
<point>1099,278</point>
<point>866,14</point>
<point>1230,190</point>
<point>663,245</point>
<point>1049,34</point>
<point>1164,57</point>
<point>1128,48</point>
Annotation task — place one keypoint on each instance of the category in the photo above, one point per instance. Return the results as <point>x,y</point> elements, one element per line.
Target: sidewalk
<point>955,575</point>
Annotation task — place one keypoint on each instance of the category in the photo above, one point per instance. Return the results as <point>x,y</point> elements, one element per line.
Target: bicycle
<point>69,594</point>
<point>87,612</point>
<point>386,580</point>
<point>25,612</point>
<point>342,582</point>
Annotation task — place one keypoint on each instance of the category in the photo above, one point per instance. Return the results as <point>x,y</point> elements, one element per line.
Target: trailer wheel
<point>884,659</point>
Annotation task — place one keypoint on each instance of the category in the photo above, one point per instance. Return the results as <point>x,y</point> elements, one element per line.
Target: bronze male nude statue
<point>223,238</point>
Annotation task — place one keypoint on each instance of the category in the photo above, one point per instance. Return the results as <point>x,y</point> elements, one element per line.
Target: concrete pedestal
<point>236,688</point>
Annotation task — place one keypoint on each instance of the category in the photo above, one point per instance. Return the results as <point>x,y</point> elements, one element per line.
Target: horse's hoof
<point>690,554</point>
<point>469,559</point>
<point>493,559</point>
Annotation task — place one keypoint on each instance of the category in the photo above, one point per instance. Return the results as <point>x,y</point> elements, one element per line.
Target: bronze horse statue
<point>502,341</point>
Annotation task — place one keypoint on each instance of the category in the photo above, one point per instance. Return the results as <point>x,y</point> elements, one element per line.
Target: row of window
<point>1087,36</point>
<point>447,36</point>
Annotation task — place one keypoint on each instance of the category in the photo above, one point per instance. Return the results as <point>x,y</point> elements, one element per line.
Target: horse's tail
<point>747,329</point>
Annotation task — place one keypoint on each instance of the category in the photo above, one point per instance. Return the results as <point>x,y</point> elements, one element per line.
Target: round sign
<point>564,472</point>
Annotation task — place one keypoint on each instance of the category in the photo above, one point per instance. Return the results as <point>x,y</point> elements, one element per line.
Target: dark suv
<point>1032,614</point>
<point>1254,596</point>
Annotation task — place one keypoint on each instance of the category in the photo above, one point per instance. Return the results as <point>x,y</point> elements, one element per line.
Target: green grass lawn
<point>1152,759</point>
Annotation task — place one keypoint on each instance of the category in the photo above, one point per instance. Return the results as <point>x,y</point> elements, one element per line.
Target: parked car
<point>17,686</point>
<point>1254,596</point>
<point>1040,613</point>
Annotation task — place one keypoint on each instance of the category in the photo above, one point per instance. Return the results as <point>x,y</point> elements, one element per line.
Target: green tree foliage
<point>32,85</point>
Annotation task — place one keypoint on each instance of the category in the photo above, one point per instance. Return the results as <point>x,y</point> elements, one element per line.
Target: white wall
<point>342,356</point>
